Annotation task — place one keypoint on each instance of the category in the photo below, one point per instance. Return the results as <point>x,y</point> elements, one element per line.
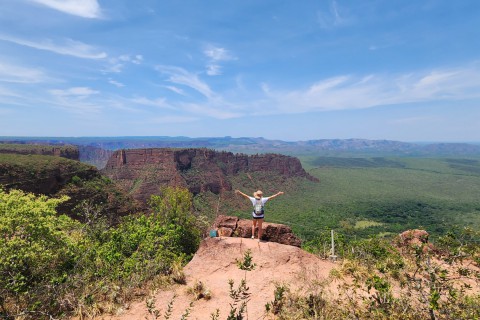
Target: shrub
<point>36,254</point>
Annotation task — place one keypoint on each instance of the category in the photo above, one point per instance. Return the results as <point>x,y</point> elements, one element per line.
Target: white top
<point>254,200</point>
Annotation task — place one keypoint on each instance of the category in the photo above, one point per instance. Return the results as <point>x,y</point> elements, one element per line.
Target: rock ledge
<point>229,226</point>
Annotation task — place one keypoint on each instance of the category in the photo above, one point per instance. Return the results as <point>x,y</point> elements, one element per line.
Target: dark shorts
<point>254,216</point>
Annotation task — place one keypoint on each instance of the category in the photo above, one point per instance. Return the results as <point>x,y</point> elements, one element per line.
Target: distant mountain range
<point>89,145</point>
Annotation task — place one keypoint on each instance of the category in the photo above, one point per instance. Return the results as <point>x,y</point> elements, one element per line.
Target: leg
<point>254,224</point>
<point>260,230</point>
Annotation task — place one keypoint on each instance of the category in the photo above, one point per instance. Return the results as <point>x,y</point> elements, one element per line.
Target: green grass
<point>362,224</point>
<point>371,196</point>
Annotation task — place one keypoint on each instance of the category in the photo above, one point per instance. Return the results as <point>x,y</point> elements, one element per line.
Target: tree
<point>36,253</point>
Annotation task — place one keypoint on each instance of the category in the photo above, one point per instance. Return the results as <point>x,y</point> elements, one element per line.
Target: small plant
<point>276,305</point>
<point>199,291</point>
<point>215,315</point>
<point>240,297</point>
<point>246,264</point>
<point>382,298</point>
<point>152,310</point>
<point>177,273</point>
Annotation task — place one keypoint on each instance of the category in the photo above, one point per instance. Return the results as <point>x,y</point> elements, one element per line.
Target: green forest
<point>55,266</point>
<point>364,197</point>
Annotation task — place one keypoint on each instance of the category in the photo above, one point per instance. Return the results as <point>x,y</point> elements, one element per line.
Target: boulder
<point>225,232</point>
<point>244,228</point>
<point>226,222</point>
<point>413,239</point>
<point>228,226</point>
<point>281,234</point>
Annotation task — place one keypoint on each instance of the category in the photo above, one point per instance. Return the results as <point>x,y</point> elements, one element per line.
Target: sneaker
<point>253,237</point>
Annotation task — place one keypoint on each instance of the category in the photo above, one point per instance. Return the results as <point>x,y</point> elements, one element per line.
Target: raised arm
<point>276,195</point>
<point>242,194</point>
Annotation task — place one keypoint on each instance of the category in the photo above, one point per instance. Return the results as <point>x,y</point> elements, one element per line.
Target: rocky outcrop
<point>414,239</point>
<point>142,172</point>
<point>228,226</point>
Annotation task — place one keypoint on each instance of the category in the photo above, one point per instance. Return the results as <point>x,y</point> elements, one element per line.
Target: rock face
<point>142,172</point>
<point>228,226</point>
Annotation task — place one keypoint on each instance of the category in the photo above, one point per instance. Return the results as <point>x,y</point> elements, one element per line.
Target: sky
<point>403,70</point>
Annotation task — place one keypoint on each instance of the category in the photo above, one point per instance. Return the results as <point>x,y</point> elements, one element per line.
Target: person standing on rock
<point>258,213</point>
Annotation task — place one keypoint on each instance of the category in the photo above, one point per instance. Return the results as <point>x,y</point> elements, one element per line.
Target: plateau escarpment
<point>56,176</point>
<point>64,151</point>
<point>142,172</point>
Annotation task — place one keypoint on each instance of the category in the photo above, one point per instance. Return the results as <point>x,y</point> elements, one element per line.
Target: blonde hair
<point>258,193</point>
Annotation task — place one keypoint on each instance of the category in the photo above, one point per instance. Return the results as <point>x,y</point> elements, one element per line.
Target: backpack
<point>258,207</point>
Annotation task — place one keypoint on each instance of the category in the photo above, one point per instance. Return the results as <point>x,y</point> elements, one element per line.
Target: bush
<point>52,265</point>
<point>36,253</point>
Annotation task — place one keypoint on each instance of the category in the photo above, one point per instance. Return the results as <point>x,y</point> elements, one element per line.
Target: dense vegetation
<point>52,265</point>
<point>359,197</point>
<point>379,279</point>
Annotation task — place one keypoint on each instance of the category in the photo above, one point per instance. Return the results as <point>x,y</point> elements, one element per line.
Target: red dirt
<point>215,263</point>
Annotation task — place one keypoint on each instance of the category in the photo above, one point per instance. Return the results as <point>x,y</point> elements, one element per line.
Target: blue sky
<point>291,70</point>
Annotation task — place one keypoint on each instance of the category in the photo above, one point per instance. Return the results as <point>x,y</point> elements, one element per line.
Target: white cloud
<point>214,70</point>
<point>68,47</point>
<point>7,93</point>
<point>334,17</point>
<point>182,77</point>
<point>215,106</point>
<point>80,92</point>
<point>159,102</point>
<point>76,100</point>
<point>175,89</point>
<point>351,92</point>
<point>342,92</point>
<point>116,83</point>
<point>137,59</point>
<point>18,74</point>
<point>81,8</point>
<point>117,64</point>
<point>215,55</point>
<point>114,68</point>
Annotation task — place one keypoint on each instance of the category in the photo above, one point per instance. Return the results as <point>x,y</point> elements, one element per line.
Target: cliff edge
<point>141,172</point>
<point>215,264</point>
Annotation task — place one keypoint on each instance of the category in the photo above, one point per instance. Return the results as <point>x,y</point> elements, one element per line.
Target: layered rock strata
<point>142,172</point>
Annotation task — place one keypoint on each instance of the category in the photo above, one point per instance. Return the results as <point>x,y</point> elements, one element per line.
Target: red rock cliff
<point>143,171</point>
